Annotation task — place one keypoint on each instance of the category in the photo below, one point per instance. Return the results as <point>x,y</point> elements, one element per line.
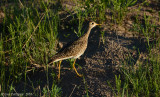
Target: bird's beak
<point>99,24</point>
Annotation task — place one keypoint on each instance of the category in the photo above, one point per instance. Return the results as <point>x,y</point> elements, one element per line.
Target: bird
<point>73,50</point>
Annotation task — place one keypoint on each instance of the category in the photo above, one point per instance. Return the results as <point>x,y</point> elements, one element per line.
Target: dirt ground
<point>101,61</point>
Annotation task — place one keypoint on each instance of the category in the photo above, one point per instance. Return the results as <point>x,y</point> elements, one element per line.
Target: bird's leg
<point>75,69</point>
<point>59,67</point>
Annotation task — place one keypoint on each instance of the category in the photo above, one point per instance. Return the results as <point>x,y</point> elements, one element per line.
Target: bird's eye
<point>92,23</point>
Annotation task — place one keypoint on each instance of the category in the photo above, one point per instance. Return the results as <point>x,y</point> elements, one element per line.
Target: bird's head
<point>93,24</point>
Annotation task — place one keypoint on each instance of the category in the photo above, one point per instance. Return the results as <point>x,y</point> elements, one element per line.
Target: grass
<point>29,39</point>
<point>120,9</point>
<point>141,77</point>
<point>29,36</point>
<point>140,81</point>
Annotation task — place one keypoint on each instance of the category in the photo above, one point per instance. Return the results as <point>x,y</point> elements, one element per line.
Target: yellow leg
<point>75,69</point>
<point>59,67</point>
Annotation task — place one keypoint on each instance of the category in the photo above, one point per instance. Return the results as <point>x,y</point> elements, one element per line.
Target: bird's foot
<point>79,75</point>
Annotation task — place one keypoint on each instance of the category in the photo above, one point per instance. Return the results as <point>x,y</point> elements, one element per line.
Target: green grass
<point>120,9</point>
<point>29,40</point>
<point>29,36</point>
<point>141,77</point>
<point>140,81</point>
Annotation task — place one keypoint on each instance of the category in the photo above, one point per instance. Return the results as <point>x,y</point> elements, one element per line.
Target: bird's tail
<point>53,59</point>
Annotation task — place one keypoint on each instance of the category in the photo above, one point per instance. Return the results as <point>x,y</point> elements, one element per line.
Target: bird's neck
<point>88,32</point>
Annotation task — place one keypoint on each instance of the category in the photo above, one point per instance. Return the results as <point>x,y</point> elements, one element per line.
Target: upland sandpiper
<point>73,50</point>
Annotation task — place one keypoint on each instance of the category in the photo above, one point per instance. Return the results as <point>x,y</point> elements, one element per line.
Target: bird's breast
<point>80,49</point>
